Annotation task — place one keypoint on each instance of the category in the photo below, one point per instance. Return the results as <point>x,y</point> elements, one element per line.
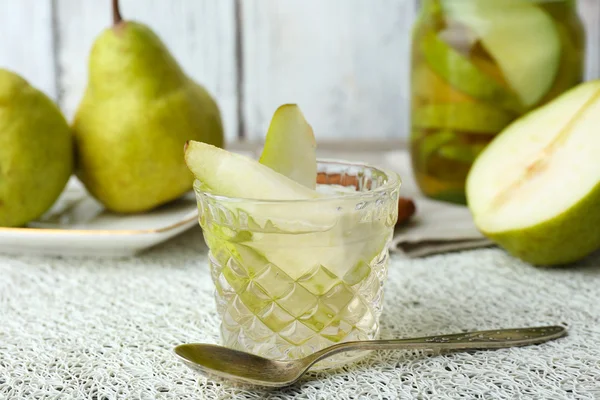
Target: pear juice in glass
<point>295,276</point>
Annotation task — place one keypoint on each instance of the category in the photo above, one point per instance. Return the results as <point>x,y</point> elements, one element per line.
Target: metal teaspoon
<point>222,362</point>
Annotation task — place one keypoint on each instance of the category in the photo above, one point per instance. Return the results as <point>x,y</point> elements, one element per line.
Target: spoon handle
<point>493,339</point>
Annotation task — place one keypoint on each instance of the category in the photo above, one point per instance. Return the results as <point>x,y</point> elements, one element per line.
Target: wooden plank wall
<point>344,61</point>
<point>27,43</point>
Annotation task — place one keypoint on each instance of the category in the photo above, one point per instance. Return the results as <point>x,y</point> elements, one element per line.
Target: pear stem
<point>116,12</point>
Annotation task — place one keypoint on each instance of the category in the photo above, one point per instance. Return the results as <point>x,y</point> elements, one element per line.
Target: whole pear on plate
<point>36,151</point>
<point>535,190</point>
<point>138,111</point>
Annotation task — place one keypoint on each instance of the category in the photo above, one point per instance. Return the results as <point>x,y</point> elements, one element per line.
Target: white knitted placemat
<point>105,329</point>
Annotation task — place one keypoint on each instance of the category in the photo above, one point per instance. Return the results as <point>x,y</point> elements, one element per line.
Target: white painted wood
<point>589,11</point>
<point>345,62</point>
<point>199,33</point>
<point>26,42</point>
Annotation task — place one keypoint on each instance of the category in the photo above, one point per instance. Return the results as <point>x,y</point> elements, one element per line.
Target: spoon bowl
<point>221,362</point>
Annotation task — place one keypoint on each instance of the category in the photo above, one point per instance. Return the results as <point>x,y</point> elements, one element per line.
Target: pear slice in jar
<point>459,72</point>
<point>427,86</point>
<point>571,70</point>
<point>461,152</point>
<point>444,145</point>
<point>427,144</point>
<point>469,117</point>
<point>521,37</point>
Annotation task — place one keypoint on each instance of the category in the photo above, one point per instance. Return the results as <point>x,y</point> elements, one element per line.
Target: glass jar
<point>477,66</point>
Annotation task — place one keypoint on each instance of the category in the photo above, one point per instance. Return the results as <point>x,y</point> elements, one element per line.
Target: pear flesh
<point>36,151</point>
<point>138,111</point>
<point>290,146</point>
<point>535,190</point>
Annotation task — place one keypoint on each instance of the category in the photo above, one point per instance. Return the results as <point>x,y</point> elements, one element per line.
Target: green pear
<point>138,111</point>
<point>290,146</point>
<point>36,151</point>
<point>535,189</point>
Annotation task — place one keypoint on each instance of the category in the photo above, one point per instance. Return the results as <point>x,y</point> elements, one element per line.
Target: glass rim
<point>393,181</point>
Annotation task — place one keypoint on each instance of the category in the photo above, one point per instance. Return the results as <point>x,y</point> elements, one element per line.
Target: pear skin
<point>138,111</point>
<point>36,151</point>
<point>564,239</point>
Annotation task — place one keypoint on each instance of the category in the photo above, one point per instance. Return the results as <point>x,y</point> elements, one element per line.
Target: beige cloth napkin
<point>437,227</point>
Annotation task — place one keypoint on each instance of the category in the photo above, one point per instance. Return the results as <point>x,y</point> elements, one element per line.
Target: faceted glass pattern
<point>275,296</point>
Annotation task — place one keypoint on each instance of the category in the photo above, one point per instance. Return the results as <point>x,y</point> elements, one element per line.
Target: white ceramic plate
<point>78,225</point>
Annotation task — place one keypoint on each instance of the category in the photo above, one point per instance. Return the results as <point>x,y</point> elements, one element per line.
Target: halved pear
<point>535,189</point>
<point>234,175</point>
<point>520,36</point>
<point>290,146</point>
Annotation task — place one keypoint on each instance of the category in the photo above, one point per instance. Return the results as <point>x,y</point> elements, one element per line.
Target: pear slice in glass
<point>290,146</point>
<point>233,175</point>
